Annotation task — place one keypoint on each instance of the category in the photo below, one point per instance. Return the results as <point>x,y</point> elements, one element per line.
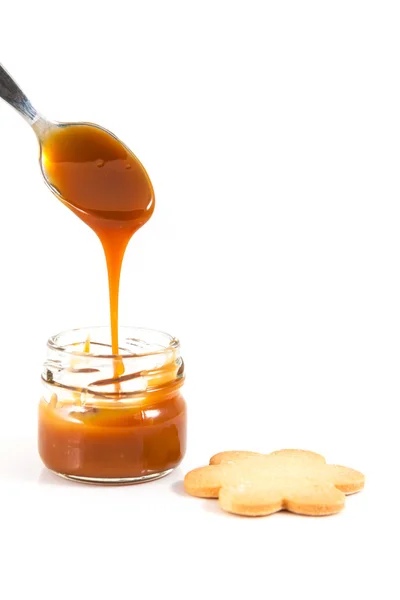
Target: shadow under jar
<point>96,428</point>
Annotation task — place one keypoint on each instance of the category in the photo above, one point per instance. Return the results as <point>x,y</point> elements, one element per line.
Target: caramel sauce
<point>106,186</point>
<point>136,441</point>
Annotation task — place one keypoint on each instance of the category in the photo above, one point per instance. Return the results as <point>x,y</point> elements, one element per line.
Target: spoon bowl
<point>95,174</point>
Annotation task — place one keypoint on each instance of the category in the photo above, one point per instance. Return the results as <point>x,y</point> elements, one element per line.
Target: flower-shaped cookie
<point>252,484</point>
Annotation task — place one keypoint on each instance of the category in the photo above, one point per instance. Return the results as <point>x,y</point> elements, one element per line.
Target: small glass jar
<point>112,419</point>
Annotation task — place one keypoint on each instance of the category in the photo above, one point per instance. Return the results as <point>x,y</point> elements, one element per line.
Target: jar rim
<point>126,332</point>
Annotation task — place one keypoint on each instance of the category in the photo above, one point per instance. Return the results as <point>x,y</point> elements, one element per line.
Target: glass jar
<point>112,419</point>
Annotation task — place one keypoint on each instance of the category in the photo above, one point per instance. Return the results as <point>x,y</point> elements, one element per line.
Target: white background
<point>271,132</point>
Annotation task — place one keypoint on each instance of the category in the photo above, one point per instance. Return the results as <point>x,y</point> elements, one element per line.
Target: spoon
<point>123,193</point>
<point>93,173</point>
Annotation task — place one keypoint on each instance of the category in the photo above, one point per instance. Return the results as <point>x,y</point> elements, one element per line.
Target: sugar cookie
<point>253,484</point>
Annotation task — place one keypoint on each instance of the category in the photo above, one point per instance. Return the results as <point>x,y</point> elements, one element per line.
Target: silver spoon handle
<point>14,96</point>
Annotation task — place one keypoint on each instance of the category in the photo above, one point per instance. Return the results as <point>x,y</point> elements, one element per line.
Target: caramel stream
<point>106,186</point>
